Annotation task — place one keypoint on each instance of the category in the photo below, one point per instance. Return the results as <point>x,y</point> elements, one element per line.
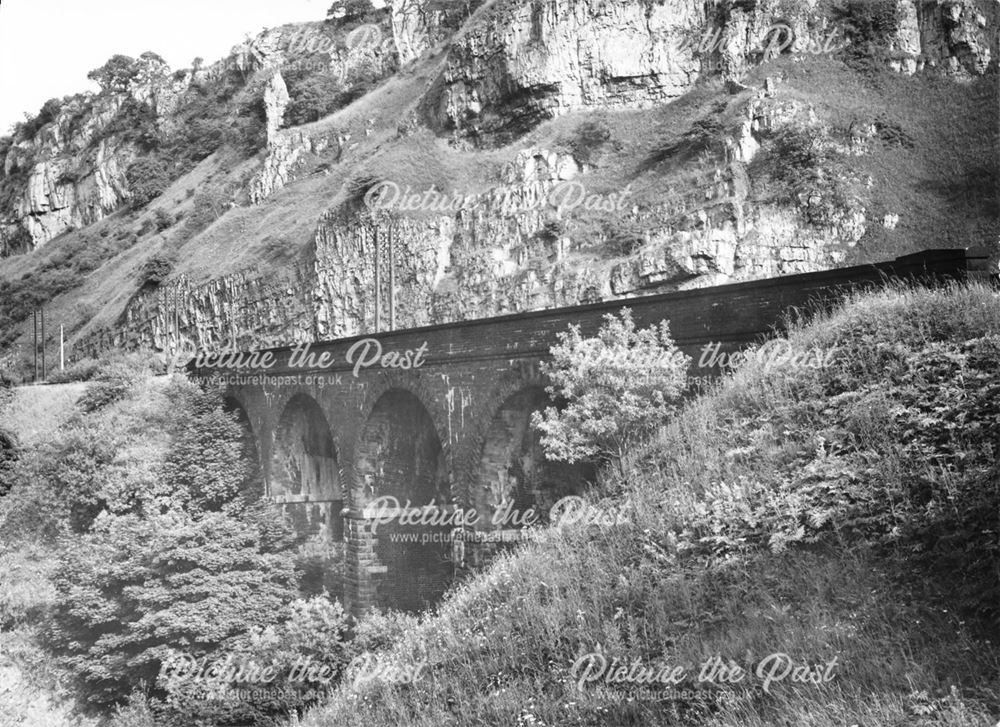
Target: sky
<point>47,47</point>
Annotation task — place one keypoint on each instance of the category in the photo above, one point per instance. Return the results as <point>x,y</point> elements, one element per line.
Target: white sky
<point>47,47</point>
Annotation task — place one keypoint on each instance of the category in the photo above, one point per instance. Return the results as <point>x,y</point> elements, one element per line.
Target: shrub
<point>163,219</point>
<point>891,133</point>
<point>209,206</point>
<point>867,21</point>
<point>623,238</point>
<point>156,269</point>
<point>148,177</point>
<point>247,131</point>
<point>869,25</point>
<point>82,370</point>
<point>314,635</point>
<point>321,568</point>
<point>589,138</point>
<point>103,393</point>
<point>61,485</point>
<point>379,630</point>
<point>799,160</point>
<point>618,387</point>
<point>551,231</point>
<point>312,95</point>
<point>10,452</point>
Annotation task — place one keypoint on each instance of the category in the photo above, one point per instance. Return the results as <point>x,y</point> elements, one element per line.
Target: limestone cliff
<point>74,167</point>
<point>670,119</point>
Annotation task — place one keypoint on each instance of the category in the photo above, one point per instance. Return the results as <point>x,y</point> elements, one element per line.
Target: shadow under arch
<point>250,447</point>
<point>399,460</point>
<point>304,474</point>
<point>514,477</point>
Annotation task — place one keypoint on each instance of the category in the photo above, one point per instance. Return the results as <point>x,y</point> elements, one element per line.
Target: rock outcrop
<point>525,62</point>
<point>514,248</point>
<point>368,51</point>
<point>74,167</point>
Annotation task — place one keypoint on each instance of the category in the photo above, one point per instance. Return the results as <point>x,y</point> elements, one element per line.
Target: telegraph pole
<point>34,322</point>
<point>378,284</point>
<point>42,310</point>
<point>392,281</point>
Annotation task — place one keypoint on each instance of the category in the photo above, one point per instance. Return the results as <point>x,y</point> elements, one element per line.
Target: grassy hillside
<point>847,517</point>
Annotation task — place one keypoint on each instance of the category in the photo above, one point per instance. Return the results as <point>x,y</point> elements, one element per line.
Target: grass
<point>708,566</point>
<point>36,412</point>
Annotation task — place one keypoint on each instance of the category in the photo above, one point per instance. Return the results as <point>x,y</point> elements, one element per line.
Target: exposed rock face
<point>958,35</point>
<point>525,62</point>
<point>368,51</point>
<point>417,27</point>
<point>511,248</point>
<point>495,253</point>
<point>72,178</point>
<point>75,169</point>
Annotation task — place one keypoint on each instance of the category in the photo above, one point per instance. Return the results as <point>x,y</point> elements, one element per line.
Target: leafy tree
<point>312,97</point>
<point>315,633</point>
<point>353,11</point>
<point>9,454</point>
<point>138,589</point>
<point>116,74</point>
<point>148,178</point>
<point>209,465</point>
<point>188,562</point>
<point>617,387</point>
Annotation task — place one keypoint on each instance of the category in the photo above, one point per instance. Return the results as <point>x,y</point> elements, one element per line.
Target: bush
<point>551,231</point>
<point>104,393</point>
<point>156,269</point>
<point>623,238</point>
<point>83,370</point>
<point>148,177</point>
<point>312,95</point>
<point>868,21</point>
<point>116,376</point>
<point>870,26</point>
<point>313,636</point>
<point>63,484</point>
<point>798,160</point>
<point>163,219</point>
<point>617,387</point>
<point>209,206</point>
<point>10,452</point>
<point>589,138</point>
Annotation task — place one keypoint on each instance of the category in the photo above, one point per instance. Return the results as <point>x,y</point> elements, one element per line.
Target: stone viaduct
<point>445,421</point>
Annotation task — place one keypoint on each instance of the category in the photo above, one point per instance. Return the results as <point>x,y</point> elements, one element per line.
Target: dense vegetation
<point>145,507</point>
<point>845,516</point>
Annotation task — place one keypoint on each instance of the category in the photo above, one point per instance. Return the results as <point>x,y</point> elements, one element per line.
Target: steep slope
<point>779,555</point>
<point>523,155</point>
